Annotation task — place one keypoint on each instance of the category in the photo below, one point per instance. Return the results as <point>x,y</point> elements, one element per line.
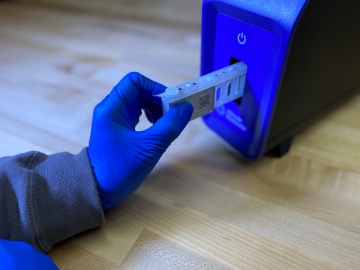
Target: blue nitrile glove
<point>120,156</point>
<point>21,255</point>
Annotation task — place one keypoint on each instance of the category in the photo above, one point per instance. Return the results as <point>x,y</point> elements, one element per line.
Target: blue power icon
<point>242,38</point>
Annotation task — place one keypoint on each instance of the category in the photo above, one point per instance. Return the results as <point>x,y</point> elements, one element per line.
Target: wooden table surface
<point>202,207</point>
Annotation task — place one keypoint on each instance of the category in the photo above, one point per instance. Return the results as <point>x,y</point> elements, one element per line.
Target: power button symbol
<point>241,38</point>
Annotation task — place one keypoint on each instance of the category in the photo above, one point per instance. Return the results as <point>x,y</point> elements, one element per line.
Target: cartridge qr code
<point>204,101</point>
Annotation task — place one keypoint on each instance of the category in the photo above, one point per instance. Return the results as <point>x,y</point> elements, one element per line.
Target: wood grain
<point>203,207</point>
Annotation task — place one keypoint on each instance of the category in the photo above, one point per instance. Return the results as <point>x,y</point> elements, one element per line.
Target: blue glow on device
<point>307,49</point>
<point>253,32</point>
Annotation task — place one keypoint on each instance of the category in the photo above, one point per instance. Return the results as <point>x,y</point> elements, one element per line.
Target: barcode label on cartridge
<point>204,101</point>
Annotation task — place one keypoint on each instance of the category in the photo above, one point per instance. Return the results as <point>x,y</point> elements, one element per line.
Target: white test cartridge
<point>208,91</point>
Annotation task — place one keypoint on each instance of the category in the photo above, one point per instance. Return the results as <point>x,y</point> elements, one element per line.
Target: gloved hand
<point>21,255</point>
<point>120,156</point>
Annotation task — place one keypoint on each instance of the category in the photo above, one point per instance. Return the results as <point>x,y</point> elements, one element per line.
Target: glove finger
<point>123,104</point>
<point>169,127</point>
<point>152,110</point>
<point>145,88</point>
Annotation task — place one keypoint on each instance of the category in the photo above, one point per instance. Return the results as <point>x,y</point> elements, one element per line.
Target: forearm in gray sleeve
<point>45,199</point>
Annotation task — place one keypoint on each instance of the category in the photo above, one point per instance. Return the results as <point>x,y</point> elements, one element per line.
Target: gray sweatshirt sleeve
<point>45,199</point>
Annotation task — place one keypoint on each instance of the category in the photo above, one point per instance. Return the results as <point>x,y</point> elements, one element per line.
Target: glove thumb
<point>169,126</point>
